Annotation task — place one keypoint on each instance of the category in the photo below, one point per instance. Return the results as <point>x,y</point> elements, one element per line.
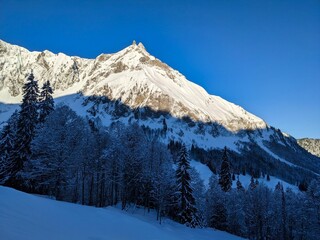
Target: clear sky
<point>262,55</point>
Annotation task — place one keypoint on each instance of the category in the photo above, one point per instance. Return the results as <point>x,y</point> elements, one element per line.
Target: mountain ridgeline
<point>133,87</point>
<point>311,145</point>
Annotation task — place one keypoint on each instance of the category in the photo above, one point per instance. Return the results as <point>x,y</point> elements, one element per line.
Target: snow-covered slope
<point>24,216</point>
<point>205,174</point>
<point>131,75</point>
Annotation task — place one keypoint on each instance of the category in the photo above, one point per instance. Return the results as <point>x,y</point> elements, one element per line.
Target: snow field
<point>29,217</point>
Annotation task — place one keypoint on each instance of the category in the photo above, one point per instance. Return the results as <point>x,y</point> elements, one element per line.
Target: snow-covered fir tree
<point>239,185</point>
<point>6,147</point>
<point>26,125</point>
<point>187,210</point>
<point>225,180</point>
<point>46,102</point>
<point>252,184</point>
<point>7,139</point>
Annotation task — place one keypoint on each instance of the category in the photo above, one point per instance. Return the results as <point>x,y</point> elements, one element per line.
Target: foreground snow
<point>25,216</point>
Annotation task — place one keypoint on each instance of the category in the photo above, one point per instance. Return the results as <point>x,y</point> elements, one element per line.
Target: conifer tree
<point>46,102</point>
<point>239,185</point>
<point>252,184</point>
<point>268,177</point>
<point>26,124</point>
<point>6,147</point>
<point>187,210</point>
<point>225,180</point>
<point>164,123</point>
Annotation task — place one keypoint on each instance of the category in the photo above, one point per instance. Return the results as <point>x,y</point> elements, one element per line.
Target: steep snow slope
<point>131,75</point>
<point>24,216</point>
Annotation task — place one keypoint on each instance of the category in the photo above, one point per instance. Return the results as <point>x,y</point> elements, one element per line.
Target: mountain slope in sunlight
<point>131,75</point>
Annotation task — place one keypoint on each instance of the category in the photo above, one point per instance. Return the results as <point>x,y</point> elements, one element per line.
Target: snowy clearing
<point>25,216</point>
<point>205,174</point>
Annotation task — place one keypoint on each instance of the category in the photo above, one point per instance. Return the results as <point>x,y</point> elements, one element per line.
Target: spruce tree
<point>26,124</point>
<point>187,210</point>
<point>239,185</point>
<point>225,180</point>
<point>252,184</point>
<point>46,102</point>
<point>165,126</point>
<point>268,177</point>
<point>6,147</point>
<point>233,177</point>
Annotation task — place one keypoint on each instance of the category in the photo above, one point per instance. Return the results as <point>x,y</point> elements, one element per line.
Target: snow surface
<point>245,181</point>
<point>206,173</point>
<point>29,217</point>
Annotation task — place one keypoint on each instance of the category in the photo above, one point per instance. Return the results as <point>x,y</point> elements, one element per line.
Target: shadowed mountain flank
<point>255,152</point>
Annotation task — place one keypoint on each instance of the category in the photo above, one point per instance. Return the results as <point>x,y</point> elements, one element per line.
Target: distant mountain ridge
<point>134,86</point>
<point>311,145</point>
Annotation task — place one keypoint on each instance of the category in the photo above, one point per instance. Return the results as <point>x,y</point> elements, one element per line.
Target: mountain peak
<point>141,46</point>
<point>137,48</point>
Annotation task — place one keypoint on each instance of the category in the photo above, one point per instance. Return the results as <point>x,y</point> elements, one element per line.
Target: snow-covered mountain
<point>131,75</point>
<point>311,145</point>
<point>132,85</point>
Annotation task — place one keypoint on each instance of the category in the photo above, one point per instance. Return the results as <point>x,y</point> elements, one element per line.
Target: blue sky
<point>261,55</point>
